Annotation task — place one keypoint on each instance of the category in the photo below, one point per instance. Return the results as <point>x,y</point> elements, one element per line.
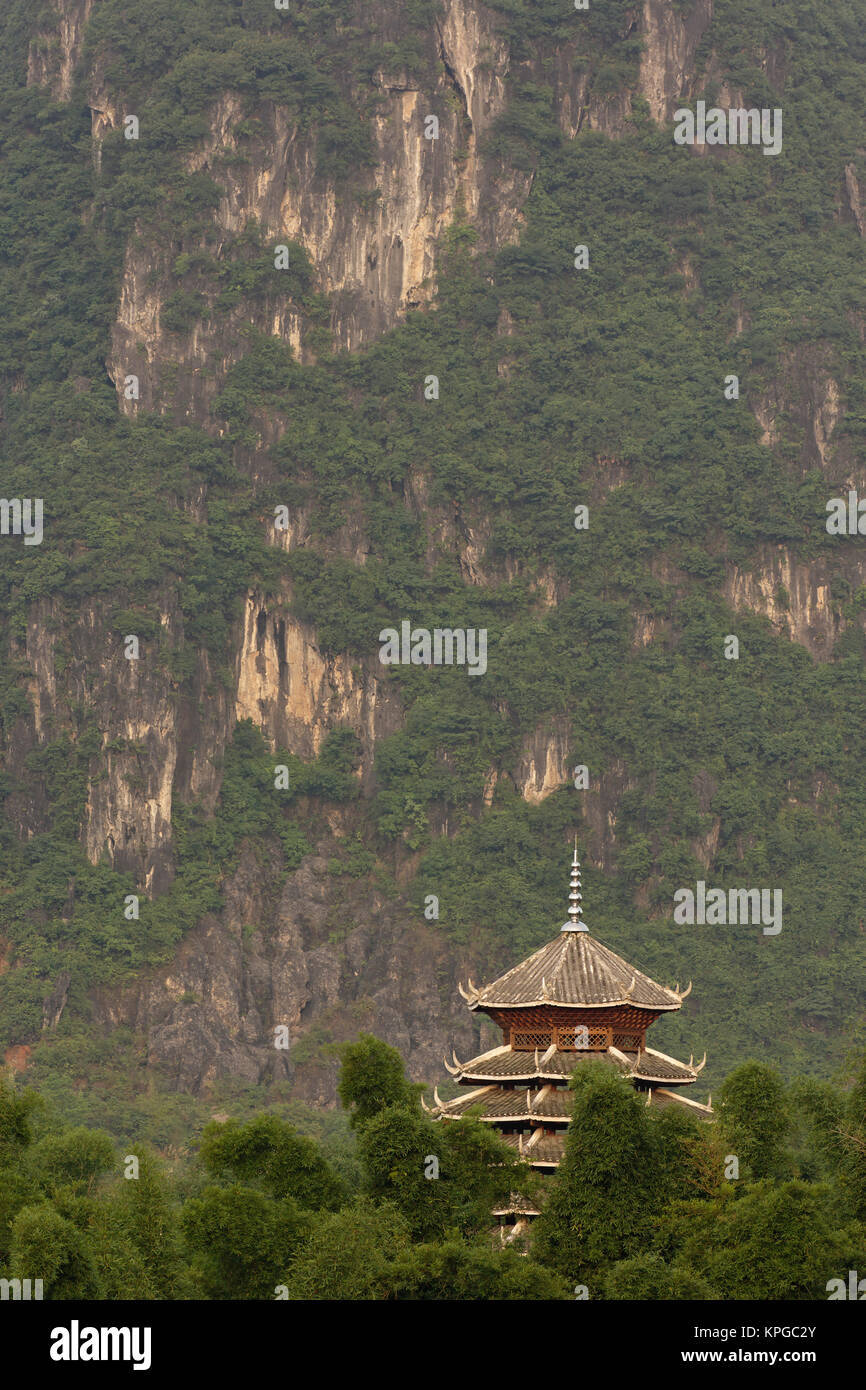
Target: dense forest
<point>558,388</point>
<point>647,1205</point>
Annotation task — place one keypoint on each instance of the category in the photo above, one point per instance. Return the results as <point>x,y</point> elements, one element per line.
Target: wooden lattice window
<point>582,1038</point>
<point>528,1042</point>
<point>629,1042</point>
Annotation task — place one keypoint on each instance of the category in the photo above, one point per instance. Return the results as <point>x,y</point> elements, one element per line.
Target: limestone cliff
<point>667,65</point>
<point>312,956</point>
<point>374,252</point>
<point>56,53</point>
<point>295,694</point>
<point>311,953</point>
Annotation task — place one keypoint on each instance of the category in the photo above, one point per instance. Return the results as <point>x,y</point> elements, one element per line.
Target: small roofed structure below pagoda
<point>571,1002</point>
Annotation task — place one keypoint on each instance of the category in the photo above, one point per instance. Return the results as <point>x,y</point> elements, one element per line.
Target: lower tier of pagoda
<point>526,1096</point>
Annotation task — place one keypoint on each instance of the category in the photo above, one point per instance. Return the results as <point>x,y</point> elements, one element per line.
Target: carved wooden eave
<point>684,1100</point>
<point>621,1057</point>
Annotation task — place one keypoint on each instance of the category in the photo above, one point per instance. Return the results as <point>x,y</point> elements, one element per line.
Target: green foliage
<point>609,1184</point>
<point>753,1117</point>
<point>639,1210</point>
<point>43,1240</point>
<point>372,1082</point>
<point>618,364</point>
<point>16,1111</point>
<point>772,1242</point>
<point>747,771</point>
<point>648,1278</point>
<point>240,1240</point>
<point>73,1160</point>
<point>849,1139</point>
<point>459,1271</point>
<point>475,1171</point>
<point>349,1255</point>
<point>147,1218</point>
<point>268,1152</point>
<point>94,940</point>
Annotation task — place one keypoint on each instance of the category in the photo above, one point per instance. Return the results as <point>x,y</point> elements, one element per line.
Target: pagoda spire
<point>575,898</point>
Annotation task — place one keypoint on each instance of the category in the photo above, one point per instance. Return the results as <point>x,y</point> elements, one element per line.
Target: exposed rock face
<point>55,1002</point>
<point>542,766</point>
<point>295,694</point>
<point>855,200</point>
<point>599,806</point>
<point>802,409</point>
<point>180,374</point>
<point>463,535</point>
<point>157,744</point>
<point>55,55</point>
<point>794,595</point>
<point>667,63</point>
<point>141,721</point>
<point>373,259</point>
<point>477,60</point>
<point>318,953</point>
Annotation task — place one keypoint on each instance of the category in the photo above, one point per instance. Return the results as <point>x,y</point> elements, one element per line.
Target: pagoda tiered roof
<point>505,1064</point>
<point>546,1104</point>
<point>572,1002</point>
<point>574,971</point>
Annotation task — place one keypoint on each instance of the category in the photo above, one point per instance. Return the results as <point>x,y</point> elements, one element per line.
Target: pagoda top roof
<point>574,971</point>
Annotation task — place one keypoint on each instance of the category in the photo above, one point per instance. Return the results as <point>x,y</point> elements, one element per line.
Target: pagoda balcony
<point>575,1038</point>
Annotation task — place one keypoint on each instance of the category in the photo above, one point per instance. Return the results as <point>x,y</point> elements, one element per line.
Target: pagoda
<point>571,1002</point>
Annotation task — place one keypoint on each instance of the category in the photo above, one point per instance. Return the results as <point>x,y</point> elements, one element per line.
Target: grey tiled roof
<point>509,1065</point>
<point>497,1103</point>
<point>573,970</point>
<point>550,1148</point>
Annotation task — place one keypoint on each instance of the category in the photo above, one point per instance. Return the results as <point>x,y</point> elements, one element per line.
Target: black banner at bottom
<point>58,1340</point>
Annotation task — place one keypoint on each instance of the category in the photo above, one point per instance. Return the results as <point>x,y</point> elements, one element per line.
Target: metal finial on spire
<point>575,897</point>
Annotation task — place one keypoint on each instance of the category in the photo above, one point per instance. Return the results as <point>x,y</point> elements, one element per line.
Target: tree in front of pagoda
<point>442,1176</point>
<point>608,1187</point>
<point>367,1252</point>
